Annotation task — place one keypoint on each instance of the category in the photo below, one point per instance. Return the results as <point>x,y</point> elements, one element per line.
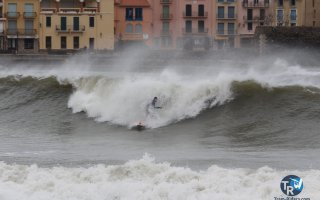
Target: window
<point>28,44</point>
<point>188,26</point>
<point>220,12</point>
<point>48,42</point>
<point>201,28</point>
<point>165,27</point>
<point>138,14</point>
<point>28,10</point>
<point>166,12</point>
<point>293,24</point>
<point>129,14</point>
<point>76,23</point>
<point>293,2</point>
<point>48,21</point>
<point>250,14</point>
<point>250,26</point>
<point>256,2</point>
<point>221,28</point>
<point>138,28</point>
<point>201,10</point>
<point>12,26</point>
<point>91,43</point>
<point>63,42</point>
<point>12,10</point>
<point>91,22</point>
<point>188,10</point>
<point>76,42</point>
<point>280,3</point>
<point>231,30</point>
<point>129,28</point>
<point>28,26</point>
<point>63,23</point>
<point>293,15</point>
<point>231,13</point>
<point>280,15</point>
<point>262,14</point>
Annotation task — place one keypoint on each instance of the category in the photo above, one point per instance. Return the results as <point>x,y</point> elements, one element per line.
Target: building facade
<point>289,12</point>
<point>2,27</point>
<point>21,26</point>
<point>133,22</point>
<point>70,25</point>
<point>312,13</point>
<point>253,13</point>
<point>225,30</point>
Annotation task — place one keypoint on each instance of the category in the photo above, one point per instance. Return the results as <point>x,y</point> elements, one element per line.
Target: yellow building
<point>21,27</point>
<point>225,23</point>
<point>76,24</point>
<point>312,17</point>
<point>289,12</point>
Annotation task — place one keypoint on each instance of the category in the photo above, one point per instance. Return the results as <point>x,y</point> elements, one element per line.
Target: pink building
<point>182,24</point>
<point>253,13</point>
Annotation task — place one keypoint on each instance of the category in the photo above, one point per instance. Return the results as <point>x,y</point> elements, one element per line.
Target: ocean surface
<point>226,130</point>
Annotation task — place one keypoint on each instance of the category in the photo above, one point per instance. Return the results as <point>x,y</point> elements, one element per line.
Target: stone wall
<point>304,37</point>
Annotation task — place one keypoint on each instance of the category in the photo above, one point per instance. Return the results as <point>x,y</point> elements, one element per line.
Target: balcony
<point>223,32</point>
<point>23,32</point>
<point>48,10</point>
<point>195,15</point>
<point>226,1</point>
<point>12,15</point>
<point>255,19</point>
<point>166,1</point>
<point>247,4</point>
<point>2,17</point>
<point>231,16</point>
<point>132,36</point>
<point>69,11</point>
<point>70,29</point>
<point>203,31</point>
<point>90,10</point>
<point>165,33</point>
<point>29,15</point>
<point>165,16</point>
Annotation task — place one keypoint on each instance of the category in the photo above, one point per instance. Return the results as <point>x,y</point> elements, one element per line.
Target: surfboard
<point>139,127</point>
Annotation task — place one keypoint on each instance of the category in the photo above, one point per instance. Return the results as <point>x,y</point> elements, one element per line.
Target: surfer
<point>154,103</point>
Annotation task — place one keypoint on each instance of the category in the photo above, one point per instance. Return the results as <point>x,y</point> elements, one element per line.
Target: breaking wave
<point>124,98</point>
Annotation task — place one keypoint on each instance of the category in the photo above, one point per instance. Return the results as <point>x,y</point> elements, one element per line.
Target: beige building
<point>21,25</point>
<point>312,14</point>
<point>76,24</point>
<point>289,12</point>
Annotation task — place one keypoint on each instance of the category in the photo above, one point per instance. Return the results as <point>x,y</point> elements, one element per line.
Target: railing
<point>165,1</point>
<point>134,18</point>
<point>195,15</point>
<point>90,10</point>
<point>195,31</point>
<point>28,32</point>
<point>48,10</point>
<point>232,16</point>
<point>247,4</point>
<point>70,28</point>
<point>166,16</point>
<point>165,33</point>
<point>226,1</point>
<point>13,15</point>
<point>1,16</point>
<point>29,15</point>
<point>226,32</point>
<point>132,36</point>
<point>255,19</point>
<point>69,10</point>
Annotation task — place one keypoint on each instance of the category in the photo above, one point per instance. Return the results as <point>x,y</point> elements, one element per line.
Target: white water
<point>146,179</point>
<point>122,97</point>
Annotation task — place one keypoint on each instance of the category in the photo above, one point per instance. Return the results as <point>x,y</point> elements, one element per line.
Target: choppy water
<point>229,130</point>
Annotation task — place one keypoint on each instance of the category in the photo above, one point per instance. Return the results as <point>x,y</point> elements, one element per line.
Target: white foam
<point>146,179</point>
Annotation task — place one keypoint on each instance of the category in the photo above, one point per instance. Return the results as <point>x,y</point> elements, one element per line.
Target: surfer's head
<point>155,98</point>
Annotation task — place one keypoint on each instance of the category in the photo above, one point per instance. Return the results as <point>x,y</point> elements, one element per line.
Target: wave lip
<point>146,179</point>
